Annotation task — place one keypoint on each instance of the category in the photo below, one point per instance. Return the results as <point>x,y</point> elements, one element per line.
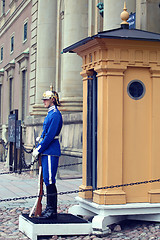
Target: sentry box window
<point>136,89</point>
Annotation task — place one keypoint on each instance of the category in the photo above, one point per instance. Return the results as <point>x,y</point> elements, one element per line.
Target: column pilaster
<point>46,51</point>
<point>75,14</point>
<point>154,193</point>
<point>86,194</point>
<point>110,136</point>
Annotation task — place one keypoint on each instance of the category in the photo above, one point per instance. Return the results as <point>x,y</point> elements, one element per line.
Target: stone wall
<point>70,138</point>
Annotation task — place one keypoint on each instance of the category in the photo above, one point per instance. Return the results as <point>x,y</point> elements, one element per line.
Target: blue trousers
<point>49,168</point>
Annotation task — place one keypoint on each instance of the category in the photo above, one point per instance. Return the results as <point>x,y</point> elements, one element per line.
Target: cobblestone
<point>134,230</point>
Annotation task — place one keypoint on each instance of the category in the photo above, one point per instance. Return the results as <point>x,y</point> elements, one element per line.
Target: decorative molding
<point>2,72</point>
<point>71,105</point>
<point>22,60</point>
<point>1,76</point>
<point>109,197</point>
<point>85,193</point>
<point>9,68</point>
<point>12,2</point>
<point>22,57</point>
<point>38,110</point>
<point>111,57</point>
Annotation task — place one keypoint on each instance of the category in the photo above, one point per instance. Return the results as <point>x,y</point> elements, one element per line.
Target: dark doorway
<point>92,131</point>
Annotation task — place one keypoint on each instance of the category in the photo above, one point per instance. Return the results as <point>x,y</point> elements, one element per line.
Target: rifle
<point>38,205</point>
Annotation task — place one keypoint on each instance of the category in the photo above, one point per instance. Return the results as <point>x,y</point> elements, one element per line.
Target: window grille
<point>10,93</point>
<point>25,31</point>
<point>12,44</point>
<point>0,103</point>
<point>23,94</point>
<point>3,6</point>
<point>1,54</point>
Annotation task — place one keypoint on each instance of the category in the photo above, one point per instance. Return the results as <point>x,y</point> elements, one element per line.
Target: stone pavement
<point>25,185</point>
<point>15,185</point>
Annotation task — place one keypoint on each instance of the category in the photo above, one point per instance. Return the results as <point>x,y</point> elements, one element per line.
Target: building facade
<point>33,34</point>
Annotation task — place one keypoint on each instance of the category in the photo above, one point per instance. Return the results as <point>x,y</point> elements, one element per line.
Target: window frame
<point>0,103</point>
<point>1,55</point>
<point>12,37</point>
<point>24,24</point>
<point>10,94</point>
<point>3,4</point>
<point>23,102</point>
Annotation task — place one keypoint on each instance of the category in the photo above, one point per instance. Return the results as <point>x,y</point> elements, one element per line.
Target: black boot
<point>47,204</point>
<point>51,208</point>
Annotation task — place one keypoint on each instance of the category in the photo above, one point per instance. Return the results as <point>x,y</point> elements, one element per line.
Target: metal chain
<point>82,190</point>
<point>24,164</point>
<point>67,192</point>
<point>27,170</point>
<point>5,145</point>
<point>72,164</point>
<point>30,165</point>
<point>26,150</point>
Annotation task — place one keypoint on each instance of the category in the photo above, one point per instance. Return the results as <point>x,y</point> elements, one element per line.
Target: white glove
<point>33,159</point>
<point>36,152</point>
<point>37,139</point>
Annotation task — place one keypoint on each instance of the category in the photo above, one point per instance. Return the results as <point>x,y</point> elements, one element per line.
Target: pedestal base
<point>104,215</point>
<point>64,224</point>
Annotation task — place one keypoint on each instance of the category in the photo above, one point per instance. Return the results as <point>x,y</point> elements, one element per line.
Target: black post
<point>20,153</point>
<point>12,139</point>
<point>10,156</point>
<point>19,144</point>
<point>15,149</point>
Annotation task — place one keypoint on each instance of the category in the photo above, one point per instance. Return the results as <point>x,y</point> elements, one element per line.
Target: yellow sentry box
<point>128,122</point>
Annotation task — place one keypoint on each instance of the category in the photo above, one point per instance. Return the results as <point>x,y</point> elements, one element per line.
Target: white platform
<point>33,230</point>
<point>104,215</point>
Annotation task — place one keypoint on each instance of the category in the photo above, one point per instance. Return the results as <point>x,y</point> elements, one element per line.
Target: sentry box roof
<point>119,33</point>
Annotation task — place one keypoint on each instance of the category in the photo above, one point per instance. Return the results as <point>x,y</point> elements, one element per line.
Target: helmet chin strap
<point>50,105</point>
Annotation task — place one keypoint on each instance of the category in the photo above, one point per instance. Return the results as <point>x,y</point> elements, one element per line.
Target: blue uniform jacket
<point>51,129</point>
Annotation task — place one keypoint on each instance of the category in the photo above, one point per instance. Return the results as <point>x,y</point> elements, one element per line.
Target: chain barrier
<point>29,170</point>
<point>24,164</point>
<point>5,145</point>
<point>26,150</point>
<point>82,190</point>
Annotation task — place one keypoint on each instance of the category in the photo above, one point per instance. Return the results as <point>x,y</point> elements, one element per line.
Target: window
<point>0,103</point>
<point>23,94</point>
<point>136,89</point>
<point>10,94</point>
<point>2,7</point>
<point>12,43</point>
<point>1,54</point>
<point>25,32</point>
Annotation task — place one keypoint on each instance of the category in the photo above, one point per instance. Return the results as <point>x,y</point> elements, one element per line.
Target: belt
<point>56,137</point>
<point>43,138</point>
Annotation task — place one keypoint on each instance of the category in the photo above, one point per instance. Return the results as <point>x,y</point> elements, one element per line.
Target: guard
<point>49,148</point>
